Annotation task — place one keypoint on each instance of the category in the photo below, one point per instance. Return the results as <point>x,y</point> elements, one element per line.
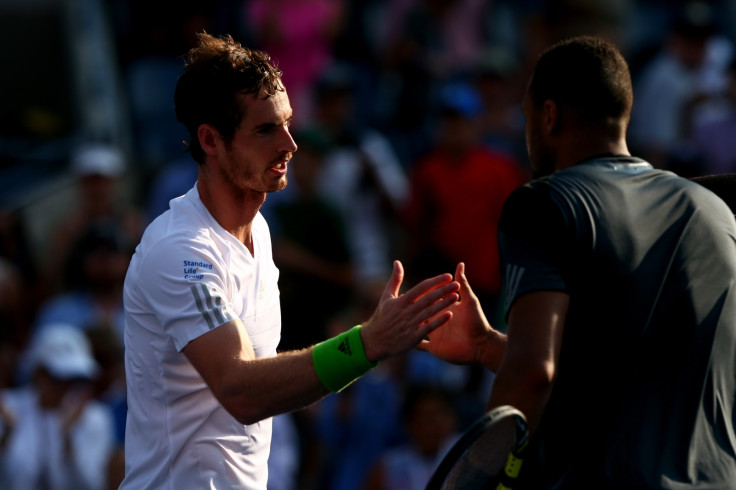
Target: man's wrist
<point>489,352</point>
<point>341,360</point>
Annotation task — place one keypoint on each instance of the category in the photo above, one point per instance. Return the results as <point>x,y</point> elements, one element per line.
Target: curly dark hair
<point>587,74</point>
<point>216,71</point>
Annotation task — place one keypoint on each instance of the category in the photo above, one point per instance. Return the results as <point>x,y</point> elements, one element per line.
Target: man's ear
<point>209,139</point>
<point>551,117</point>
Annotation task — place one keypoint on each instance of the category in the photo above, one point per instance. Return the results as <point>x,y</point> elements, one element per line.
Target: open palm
<point>461,339</point>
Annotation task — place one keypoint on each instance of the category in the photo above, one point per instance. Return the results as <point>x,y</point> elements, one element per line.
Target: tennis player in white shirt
<point>202,301</point>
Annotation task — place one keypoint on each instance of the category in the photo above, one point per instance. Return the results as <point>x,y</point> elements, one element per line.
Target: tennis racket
<point>487,455</point>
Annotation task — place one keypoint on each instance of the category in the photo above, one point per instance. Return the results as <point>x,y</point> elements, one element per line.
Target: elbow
<point>249,418</point>
<point>242,408</point>
<point>532,377</point>
<point>541,377</point>
<point>239,404</point>
<point>242,412</point>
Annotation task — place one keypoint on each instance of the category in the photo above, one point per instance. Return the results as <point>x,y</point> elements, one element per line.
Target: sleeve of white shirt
<point>183,282</point>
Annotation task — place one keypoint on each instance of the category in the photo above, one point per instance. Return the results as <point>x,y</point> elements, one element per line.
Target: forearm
<point>293,380</point>
<point>524,391</point>
<point>527,373</point>
<point>262,388</point>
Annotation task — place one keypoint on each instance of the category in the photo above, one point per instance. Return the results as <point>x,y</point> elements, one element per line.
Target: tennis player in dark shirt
<point>620,285</point>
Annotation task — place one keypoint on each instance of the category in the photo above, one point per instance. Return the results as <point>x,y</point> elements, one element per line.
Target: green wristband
<point>341,360</point>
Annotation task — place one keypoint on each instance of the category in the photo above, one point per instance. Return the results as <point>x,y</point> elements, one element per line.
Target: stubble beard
<point>243,178</point>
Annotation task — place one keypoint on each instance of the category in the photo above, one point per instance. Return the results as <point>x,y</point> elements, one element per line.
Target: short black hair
<point>216,71</point>
<point>587,74</point>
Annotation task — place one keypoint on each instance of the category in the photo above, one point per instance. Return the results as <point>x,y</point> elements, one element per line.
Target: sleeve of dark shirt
<point>534,243</point>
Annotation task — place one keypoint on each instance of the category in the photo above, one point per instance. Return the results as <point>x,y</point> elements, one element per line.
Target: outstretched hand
<point>401,321</point>
<point>466,337</point>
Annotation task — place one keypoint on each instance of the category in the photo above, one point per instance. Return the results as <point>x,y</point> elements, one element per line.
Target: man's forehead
<point>262,106</point>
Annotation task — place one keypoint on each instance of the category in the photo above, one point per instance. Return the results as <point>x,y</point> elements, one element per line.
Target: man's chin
<point>279,186</point>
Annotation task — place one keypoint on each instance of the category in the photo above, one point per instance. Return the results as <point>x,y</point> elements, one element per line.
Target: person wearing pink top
<point>298,34</point>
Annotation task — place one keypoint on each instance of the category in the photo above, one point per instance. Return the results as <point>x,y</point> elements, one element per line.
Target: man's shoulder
<point>176,242</point>
<point>531,205</point>
<point>169,236</point>
<point>723,185</point>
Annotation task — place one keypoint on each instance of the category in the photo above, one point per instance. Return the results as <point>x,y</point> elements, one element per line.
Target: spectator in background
<point>310,248</point>
<point>19,295</point>
<point>457,192</point>
<point>54,433</point>
<point>13,320</point>
<point>431,426</point>
<point>427,43</point>
<point>299,35</point>
<point>109,386</point>
<point>713,139</point>
<point>362,176</point>
<point>357,46</point>
<point>99,169</point>
<point>495,77</point>
<point>95,273</point>
<point>16,249</point>
<point>689,69</point>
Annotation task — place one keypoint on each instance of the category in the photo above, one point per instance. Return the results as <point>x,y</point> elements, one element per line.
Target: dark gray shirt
<point>644,396</point>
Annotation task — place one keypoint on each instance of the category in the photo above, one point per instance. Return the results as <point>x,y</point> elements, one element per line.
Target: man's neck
<point>583,147</point>
<point>234,210</point>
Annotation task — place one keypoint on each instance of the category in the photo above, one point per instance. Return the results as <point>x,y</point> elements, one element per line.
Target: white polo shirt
<point>188,276</point>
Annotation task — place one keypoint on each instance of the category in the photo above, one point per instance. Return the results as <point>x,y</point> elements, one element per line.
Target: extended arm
<point>529,366</point>
<point>525,360</point>
<point>252,389</point>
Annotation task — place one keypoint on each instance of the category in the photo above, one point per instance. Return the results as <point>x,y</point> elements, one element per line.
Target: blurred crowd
<point>410,133</point>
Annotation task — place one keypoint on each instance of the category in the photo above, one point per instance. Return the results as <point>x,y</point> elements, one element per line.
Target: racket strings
<point>487,456</point>
<point>485,459</point>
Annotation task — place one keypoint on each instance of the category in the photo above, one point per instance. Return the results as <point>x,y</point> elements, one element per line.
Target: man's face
<point>256,159</point>
<point>536,147</point>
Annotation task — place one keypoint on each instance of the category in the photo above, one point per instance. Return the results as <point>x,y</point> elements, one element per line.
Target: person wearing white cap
<point>98,170</point>
<point>53,434</point>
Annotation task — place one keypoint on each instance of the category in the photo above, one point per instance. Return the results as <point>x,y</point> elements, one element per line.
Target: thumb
<point>460,277</point>
<point>394,282</point>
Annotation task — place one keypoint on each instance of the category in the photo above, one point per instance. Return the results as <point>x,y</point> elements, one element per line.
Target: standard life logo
<point>193,269</point>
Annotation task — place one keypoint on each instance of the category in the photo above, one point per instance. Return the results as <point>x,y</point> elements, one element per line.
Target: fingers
<point>447,293</point>
<point>394,282</point>
<point>436,307</point>
<point>431,325</point>
<point>430,287</point>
